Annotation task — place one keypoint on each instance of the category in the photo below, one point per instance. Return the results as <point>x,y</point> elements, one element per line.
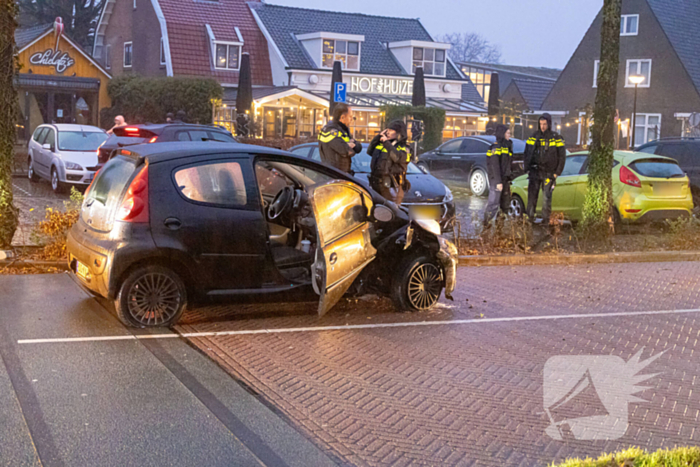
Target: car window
<point>573,165</point>
<point>339,209</point>
<point>105,195</point>
<point>49,137</point>
<point>219,183</point>
<point>649,149</point>
<point>679,151</point>
<point>270,180</point>
<point>474,146</point>
<point>301,152</point>
<point>80,140</point>
<point>222,137</point>
<point>38,133</point>
<point>199,135</point>
<point>451,147</point>
<point>183,136</point>
<point>657,168</point>
<point>316,154</point>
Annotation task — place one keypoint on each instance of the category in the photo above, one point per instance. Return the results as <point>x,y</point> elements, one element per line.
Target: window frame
<point>433,61</point>
<point>242,163</point>
<point>638,61</point>
<point>130,44</point>
<point>623,30</point>
<point>596,70</point>
<point>646,127</point>
<point>162,51</point>
<point>346,54</point>
<point>108,56</point>
<point>228,45</point>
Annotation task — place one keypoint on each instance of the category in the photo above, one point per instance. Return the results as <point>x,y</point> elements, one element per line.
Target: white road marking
<point>21,189</point>
<point>352,327</point>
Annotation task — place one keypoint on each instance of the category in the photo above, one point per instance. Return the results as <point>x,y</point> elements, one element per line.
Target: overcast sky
<point>529,32</point>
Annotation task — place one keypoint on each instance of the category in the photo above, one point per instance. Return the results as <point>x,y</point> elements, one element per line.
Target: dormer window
<point>345,52</point>
<point>326,48</point>
<point>227,56</point>
<point>432,61</point>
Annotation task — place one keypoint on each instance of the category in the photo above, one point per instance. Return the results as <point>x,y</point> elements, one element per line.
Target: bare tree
<point>79,16</point>
<point>471,47</point>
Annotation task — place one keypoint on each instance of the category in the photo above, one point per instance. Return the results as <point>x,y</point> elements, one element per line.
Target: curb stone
<point>21,264</point>
<point>604,258</point>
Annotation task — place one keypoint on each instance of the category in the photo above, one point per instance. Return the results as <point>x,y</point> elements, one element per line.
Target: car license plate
<point>667,189</point>
<point>426,212</point>
<point>82,270</point>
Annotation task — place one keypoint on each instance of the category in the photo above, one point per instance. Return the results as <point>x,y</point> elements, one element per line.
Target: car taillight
<point>135,205</point>
<point>94,176</point>
<point>153,140</point>
<point>628,177</point>
<point>131,129</point>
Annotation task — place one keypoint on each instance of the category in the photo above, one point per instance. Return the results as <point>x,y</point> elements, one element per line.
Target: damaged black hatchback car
<point>163,224</point>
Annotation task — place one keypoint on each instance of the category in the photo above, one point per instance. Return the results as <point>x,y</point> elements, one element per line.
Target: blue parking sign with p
<point>340,92</point>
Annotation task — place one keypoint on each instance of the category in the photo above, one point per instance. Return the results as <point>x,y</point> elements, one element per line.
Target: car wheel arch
<point>177,266</point>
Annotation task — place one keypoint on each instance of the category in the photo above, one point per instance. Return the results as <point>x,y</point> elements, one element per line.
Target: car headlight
<point>448,195</point>
<point>73,166</point>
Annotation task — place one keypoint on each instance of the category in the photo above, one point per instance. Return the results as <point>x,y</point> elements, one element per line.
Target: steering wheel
<point>282,203</point>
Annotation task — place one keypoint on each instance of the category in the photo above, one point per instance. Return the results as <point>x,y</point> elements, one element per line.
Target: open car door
<point>344,246</point>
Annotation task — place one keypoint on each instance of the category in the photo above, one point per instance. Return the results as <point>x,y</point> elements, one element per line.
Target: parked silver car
<point>64,154</point>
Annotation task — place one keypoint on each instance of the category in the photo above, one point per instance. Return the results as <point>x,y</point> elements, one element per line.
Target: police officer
<point>545,157</point>
<point>390,160</point>
<point>337,149</point>
<point>498,163</point>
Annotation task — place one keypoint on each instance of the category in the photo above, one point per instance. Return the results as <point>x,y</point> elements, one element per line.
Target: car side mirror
<point>47,146</point>
<point>382,213</point>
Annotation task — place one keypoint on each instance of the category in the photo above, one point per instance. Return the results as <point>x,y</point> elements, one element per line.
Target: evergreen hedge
<point>432,117</point>
<point>142,100</point>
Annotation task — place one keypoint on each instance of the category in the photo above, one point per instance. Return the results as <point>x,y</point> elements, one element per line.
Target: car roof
<point>74,127</point>
<point>625,157</point>
<point>180,149</point>
<point>672,139</point>
<point>163,126</point>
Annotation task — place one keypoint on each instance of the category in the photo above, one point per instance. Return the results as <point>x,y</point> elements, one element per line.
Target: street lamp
<point>636,80</point>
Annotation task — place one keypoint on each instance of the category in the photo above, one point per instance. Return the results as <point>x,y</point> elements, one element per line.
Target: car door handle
<point>172,223</point>
<point>334,258</point>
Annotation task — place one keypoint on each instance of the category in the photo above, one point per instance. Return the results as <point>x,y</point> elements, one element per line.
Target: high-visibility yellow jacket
<point>333,143</point>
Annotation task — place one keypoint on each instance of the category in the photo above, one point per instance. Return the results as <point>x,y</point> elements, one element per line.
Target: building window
<point>227,56</point>
<point>481,79</point>
<point>345,52</point>
<point>128,51</point>
<point>365,125</point>
<point>457,127</point>
<point>162,52</point>
<point>647,128</point>
<point>630,25</point>
<point>432,61</point>
<point>638,67</point>
<point>108,57</point>
<point>596,68</point>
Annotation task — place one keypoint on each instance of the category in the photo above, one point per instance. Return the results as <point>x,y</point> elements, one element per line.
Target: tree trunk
<point>9,214</point>
<point>597,207</point>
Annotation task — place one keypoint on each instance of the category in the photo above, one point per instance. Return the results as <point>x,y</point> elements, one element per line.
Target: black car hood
<point>431,189</point>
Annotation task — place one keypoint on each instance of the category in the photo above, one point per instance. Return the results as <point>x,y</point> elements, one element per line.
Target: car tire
<point>151,296</point>
<point>56,185</point>
<point>479,183</point>
<point>516,208</point>
<point>31,174</point>
<point>418,285</point>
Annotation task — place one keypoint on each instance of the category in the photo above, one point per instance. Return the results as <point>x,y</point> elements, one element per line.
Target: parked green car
<point>645,188</point>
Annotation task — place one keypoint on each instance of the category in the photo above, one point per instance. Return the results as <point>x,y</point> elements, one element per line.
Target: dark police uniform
<point>333,145</point>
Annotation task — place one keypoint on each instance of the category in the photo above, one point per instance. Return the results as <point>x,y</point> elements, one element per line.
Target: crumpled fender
<point>448,258</point>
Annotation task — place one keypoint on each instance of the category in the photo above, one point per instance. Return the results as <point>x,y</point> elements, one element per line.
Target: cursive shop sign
<point>366,85</point>
<point>57,59</point>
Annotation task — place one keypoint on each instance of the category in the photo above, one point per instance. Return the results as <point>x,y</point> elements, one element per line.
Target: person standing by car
<point>334,142</point>
<point>498,163</point>
<point>545,156</point>
<point>118,121</point>
<point>390,160</point>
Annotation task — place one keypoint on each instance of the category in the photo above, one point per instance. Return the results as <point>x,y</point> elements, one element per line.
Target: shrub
<point>681,457</point>
<point>54,230</point>
<point>433,122</point>
<point>684,233</point>
<point>142,100</point>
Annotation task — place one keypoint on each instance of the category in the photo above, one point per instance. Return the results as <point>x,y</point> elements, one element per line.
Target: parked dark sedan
<point>427,194</point>
<point>131,135</point>
<point>465,159</point>
<point>686,151</point>
<point>163,223</point>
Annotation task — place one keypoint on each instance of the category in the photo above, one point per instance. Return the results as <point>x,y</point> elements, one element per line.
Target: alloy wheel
<point>54,180</point>
<point>30,169</point>
<point>516,209</point>
<point>154,299</point>
<point>424,286</point>
<point>478,182</point>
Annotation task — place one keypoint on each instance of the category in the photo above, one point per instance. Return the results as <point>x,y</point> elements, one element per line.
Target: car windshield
<point>362,164</point>
<point>657,168</point>
<point>80,140</point>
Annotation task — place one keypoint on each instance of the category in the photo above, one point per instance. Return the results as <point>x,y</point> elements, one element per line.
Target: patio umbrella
<point>337,78</point>
<point>244,98</point>
<point>418,99</point>
<point>494,95</point>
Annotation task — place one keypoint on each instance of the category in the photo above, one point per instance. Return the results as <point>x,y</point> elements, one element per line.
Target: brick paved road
<point>470,394</point>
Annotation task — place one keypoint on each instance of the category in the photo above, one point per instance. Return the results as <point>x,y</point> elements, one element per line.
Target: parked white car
<point>64,154</point>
